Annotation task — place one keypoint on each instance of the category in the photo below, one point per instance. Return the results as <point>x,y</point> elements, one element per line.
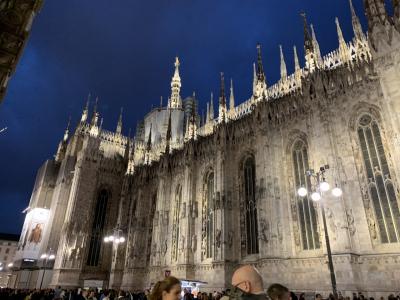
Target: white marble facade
<point>183,203</point>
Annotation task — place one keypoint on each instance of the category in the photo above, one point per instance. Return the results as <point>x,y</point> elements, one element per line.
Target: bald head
<point>248,279</point>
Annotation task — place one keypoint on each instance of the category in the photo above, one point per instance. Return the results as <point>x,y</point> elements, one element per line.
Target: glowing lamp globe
<point>302,192</point>
<point>316,196</point>
<point>337,192</point>
<point>122,239</point>
<point>324,186</point>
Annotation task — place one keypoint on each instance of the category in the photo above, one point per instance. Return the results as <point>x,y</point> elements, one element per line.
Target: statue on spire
<point>175,101</point>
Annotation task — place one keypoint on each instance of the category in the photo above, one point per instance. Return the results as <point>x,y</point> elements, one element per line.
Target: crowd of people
<point>246,284</point>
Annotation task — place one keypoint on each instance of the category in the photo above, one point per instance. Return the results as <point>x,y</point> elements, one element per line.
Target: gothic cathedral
<point>197,197</point>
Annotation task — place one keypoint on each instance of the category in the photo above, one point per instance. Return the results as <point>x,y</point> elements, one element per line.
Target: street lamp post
<point>322,186</point>
<point>116,237</point>
<point>46,257</point>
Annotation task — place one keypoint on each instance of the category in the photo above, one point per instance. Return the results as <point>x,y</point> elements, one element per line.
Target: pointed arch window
<point>175,228</point>
<point>306,212</point>
<point>251,222</point>
<point>97,228</point>
<point>380,183</point>
<point>209,214</point>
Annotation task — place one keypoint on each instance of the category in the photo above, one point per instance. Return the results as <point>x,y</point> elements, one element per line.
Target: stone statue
<point>183,214</point>
<point>332,226</point>
<point>165,247</point>
<point>279,230</point>
<point>194,243</point>
<point>264,230</point>
<point>218,238</point>
<point>230,238</point>
<point>182,243</point>
<point>371,222</point>
<point>350,221</point>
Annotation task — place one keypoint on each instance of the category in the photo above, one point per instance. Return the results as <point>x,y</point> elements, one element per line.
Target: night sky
<point>123,52</point>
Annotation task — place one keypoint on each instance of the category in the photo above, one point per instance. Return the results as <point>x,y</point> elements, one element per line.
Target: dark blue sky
<point>123,51</point>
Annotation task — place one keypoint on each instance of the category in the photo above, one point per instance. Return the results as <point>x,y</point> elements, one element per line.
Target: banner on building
<point>32,233</point>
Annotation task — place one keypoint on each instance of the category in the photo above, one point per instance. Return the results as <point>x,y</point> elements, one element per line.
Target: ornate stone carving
<point>165,247</point>
<point>264,230</point>
<point>183,211</point>
<point>350,222</point>
<point>230,239</point>
<point>331,222</point>
<point>218,238</point>
<point>195,212</point>
<point>194,243</point>
<point>182,243</point>
<point>217,200</point>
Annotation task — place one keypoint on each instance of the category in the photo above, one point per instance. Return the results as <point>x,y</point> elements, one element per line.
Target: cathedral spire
<point>119,125</point>
<point>339,32</point>
<point>254,79</point>
<point>85,111</point>
<point>357,28</point>
<point>260,68</point>
<point>212,107</point>
<point>222,100</point>
<point>193,124</point>
<point>62,146</point>
<point>308,42</point>
<point>231,99</point>
<point>95,116</point>
<point>343,50</point>
<point>296,60</point>
<point>260,83</point>
<point>175,100</point>
<point>297,70</point>
<point>66,133</point>
<point>207,113</point>
<point>283,64</point>
<point>130,170</point>
<point>317,50</point>
<point>94,129</point>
